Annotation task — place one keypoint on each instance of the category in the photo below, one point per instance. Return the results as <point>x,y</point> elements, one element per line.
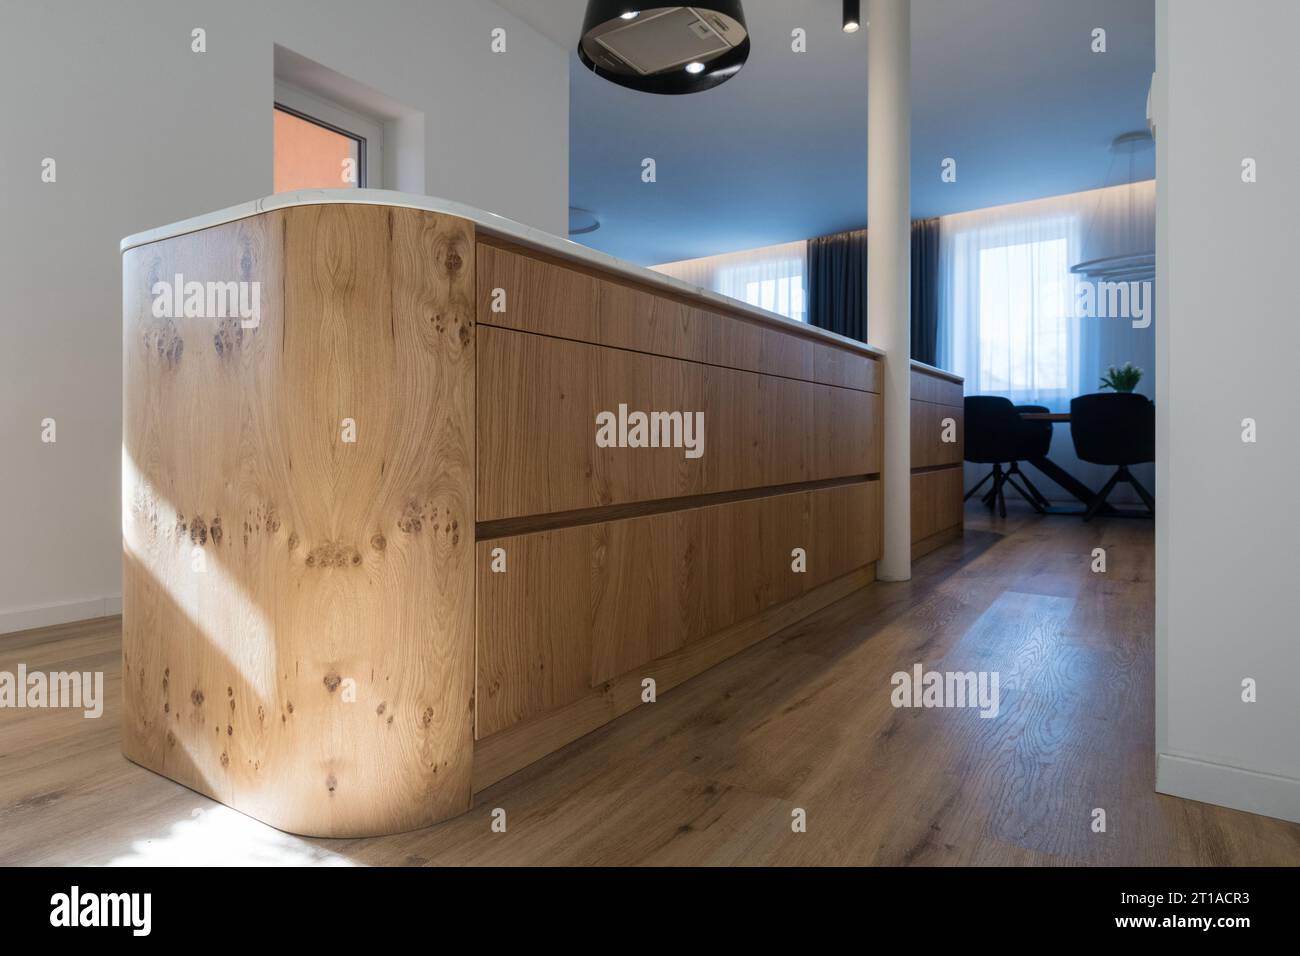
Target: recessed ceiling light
<point>665,49</point>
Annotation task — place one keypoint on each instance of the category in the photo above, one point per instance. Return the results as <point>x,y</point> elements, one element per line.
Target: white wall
<point>1228,348</point>
<point>145,132</point>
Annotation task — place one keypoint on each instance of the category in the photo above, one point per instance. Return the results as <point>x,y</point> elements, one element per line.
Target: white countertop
<point>494,225</point>
<point>937,372</point>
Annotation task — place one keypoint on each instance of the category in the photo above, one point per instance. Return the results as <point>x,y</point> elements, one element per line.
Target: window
<point>320,145</point>
<point>783,295</point>
<point>770,278</point>
<point>1024,323</point>
<point>1007,301</point>
<point>311,155</point>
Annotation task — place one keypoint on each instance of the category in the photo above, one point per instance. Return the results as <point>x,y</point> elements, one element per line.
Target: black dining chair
<point>1035,442</point>
<point>1116,429</point>
<point>993,437</point>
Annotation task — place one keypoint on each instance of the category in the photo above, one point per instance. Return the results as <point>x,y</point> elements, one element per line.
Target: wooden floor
<point>711,773</point>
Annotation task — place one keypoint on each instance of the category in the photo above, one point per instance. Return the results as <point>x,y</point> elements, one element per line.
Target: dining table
<point>1058,474</point>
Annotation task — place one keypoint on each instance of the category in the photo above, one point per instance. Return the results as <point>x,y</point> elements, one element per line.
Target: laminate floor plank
<point>715,772</point>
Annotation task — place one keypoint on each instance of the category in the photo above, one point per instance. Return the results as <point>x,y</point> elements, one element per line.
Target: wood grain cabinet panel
<point>548,298</point>
<point>623,593</point>
<point>842,367</point>
<point>737,343</point>
<point>928,428</point>
<point>927,387</point>
<point>535,295</point>
<point>272,569</point>
<point>936,465</point>
<point>936,502</point>
<point>539,398</point>
<point>633,318</point>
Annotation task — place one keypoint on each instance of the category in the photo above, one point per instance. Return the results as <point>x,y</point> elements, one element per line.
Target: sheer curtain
<point>1010,309</point>
<point>771,277</point>
<point>1006,289</point>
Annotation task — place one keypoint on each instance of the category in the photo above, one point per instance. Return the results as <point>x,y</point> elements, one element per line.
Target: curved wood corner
<point>298,612</point>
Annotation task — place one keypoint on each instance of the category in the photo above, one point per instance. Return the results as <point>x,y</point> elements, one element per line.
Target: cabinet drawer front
<point>538,401</point>
<point>842,367</point>
<point>530,295</point>
<point>929,426</point>
<point>935,390</point>
<point>581,605</point>
<point>936,502</point>
<point>632,318</point>
<point>536,295</point>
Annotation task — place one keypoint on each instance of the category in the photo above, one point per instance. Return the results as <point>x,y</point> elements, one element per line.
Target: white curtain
<point>1011,319</point>
<point>771,277</point>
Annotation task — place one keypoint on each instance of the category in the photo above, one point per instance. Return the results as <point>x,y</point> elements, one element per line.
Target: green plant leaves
<point>1122,379</point>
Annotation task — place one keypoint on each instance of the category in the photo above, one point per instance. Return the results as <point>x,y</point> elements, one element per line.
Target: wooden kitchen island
<point>375,556</point>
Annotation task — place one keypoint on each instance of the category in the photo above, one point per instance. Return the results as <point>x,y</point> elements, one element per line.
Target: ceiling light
<point>582,221</point>
<point>852,16</point>
<point>681,49</point>
<point>1139,264</point>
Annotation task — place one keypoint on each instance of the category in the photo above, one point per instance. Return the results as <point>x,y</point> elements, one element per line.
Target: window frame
<point>366,132</point>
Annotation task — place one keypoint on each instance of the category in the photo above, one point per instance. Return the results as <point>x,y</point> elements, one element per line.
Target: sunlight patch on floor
<point>219,836</point>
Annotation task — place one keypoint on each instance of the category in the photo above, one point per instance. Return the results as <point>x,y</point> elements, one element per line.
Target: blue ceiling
<point>1009,88</point>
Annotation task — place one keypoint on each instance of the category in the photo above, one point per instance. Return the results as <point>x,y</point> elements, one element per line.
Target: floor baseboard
<point>1263,793</point>
<point>64,612</point>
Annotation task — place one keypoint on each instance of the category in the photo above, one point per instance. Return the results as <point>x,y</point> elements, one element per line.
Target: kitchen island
<point>414,495</point>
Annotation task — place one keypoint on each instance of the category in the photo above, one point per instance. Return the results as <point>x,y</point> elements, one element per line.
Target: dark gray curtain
<point>837,283</point>
<point>837,286</point>
<point>925,290</point>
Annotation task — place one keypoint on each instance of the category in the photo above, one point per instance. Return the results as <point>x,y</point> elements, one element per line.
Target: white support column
<point>889,253</point>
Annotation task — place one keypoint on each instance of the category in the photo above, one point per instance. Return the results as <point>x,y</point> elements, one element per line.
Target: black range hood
<point>667,50</point>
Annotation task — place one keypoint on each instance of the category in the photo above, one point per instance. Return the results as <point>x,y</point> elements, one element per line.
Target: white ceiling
<point>561,20</point>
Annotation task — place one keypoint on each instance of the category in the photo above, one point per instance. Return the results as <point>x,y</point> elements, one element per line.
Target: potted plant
<point>1122,379</point>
